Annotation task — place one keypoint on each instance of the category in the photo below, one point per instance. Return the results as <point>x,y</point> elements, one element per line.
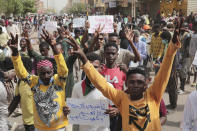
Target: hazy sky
<point>56,4</point>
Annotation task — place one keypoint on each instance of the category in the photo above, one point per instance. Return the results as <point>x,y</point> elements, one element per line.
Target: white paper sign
<point>112,4</point>
<point>195,59</point>
<point>88,112</point>
<point>51,26</point>
<point>79,22</point>
<point>104,20</point>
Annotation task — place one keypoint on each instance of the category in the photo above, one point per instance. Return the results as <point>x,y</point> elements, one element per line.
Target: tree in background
<point>17,7</point>
<point>77,8</point>
<point>29,6</point>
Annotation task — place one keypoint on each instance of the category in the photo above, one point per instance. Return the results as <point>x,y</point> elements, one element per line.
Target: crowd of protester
<point>115,66</point>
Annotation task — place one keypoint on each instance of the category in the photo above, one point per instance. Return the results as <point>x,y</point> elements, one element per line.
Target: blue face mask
<point>165,42</point>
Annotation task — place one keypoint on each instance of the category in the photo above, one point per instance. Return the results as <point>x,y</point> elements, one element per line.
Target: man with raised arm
<point>139,105</point>
<point>48,89</point>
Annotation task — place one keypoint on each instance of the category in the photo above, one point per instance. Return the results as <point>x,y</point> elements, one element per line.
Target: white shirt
<point>13,29</point>
<point>3,108</point>
<point>4,29</point>
<point>94,94</point>
<point>190,113</point>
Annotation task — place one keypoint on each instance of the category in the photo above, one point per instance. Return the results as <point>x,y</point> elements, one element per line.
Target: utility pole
<point>86,3</point>
<point>47,4</point>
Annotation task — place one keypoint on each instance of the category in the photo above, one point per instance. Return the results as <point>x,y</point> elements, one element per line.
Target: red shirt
<point>114,76</point>
<point>162,110</point>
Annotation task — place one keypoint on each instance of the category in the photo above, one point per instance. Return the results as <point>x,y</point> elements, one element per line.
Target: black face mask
<point>89,83</point>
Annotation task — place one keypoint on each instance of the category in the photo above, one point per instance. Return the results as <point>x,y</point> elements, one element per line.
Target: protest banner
<point>104,20</point>
<point>88,112</point>
<point>51,26</point>
<point>79,22</point>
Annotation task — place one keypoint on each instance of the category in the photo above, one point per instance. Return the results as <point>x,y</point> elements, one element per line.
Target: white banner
<point>51,26</point>
<point>104,20</point>
<point>88,112</point>
<point>79,22</point>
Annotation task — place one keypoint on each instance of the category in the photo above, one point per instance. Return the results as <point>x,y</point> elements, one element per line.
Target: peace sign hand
<point>48,38</point>
<point>129,34</point>
<point>72,42</point>
<point>13,44</point>
<point>26,36</point>
<point>87,25</point>
<point>98,31</point>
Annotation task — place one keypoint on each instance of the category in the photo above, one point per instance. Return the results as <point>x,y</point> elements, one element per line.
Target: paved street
<point>175,117</point>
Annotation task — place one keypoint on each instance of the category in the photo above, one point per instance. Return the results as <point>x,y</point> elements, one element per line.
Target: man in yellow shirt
<point>48,89</point>
<point>139,106</point>
<point>156,45</point>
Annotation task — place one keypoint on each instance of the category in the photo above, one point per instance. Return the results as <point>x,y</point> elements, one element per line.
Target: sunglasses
<point>100,38</point>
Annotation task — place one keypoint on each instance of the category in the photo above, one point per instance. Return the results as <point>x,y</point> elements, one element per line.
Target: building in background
<point>99,6</point>
<point>152,7</point>
<point>125,7</point>
<point>40,6</point>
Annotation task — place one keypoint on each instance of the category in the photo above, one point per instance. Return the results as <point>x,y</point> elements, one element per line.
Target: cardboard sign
<point>88,112</point>
<point>79,22</point>
<point>105,20</point>
<point>51,26</point>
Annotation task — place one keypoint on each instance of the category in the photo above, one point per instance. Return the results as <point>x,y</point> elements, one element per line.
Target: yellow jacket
<point>48,100</point>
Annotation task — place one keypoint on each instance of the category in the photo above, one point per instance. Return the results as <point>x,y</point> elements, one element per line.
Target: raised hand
<point>63,33</point>
<point>87,25</point>
<point>79,52</point>
<point>26,36</point>
<point>13,44</point>
<point>77,49</point>
<point>72,42</point>
<point>48,38</point>
<point>98,31</point>
<point>123,67</point>
<point>129,34</point>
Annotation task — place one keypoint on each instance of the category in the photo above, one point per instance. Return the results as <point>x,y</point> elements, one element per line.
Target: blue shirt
<point>141,47</point>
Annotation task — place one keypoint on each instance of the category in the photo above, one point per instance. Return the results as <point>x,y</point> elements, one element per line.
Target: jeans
<point>29,127</point>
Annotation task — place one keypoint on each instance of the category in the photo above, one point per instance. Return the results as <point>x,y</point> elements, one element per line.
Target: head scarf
<point>43,63</point>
